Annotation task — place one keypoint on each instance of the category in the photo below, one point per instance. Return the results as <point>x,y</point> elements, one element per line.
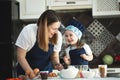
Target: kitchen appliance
<point>9,20</point>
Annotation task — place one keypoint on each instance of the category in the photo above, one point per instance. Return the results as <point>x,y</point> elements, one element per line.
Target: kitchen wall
<point>103,34</point>
<point>100,35</point>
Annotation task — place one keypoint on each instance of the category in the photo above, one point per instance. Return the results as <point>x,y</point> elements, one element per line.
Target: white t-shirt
<point>87,49</point>
<point>85,46</point>
<point>27,38</point>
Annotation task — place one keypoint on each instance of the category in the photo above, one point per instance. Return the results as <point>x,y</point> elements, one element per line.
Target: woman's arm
<point>56,61</point>
<point>55,56</point>
<point>21,53</point>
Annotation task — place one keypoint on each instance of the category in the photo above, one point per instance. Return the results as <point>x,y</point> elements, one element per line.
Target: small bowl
<point>88,74</point>
<point>44,74</point>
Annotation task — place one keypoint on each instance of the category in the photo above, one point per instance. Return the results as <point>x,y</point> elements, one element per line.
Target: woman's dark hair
<point>50,15</point>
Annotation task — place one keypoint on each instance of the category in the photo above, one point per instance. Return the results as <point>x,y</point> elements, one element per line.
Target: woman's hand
<point>32,74</point>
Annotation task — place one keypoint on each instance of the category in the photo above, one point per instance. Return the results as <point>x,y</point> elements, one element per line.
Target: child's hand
<point>66,60</point>
<point>58,66</point>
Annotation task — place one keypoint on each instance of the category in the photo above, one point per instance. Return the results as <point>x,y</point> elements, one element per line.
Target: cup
<point>85,67</point>
<point>44,74</point>
<point>82,67</point>
<point>102,70</point>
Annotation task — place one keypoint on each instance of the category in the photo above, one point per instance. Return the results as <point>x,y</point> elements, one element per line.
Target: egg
<point>36,71</point>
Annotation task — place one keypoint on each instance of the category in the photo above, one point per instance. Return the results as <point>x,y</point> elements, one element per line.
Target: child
<point>77,52</point>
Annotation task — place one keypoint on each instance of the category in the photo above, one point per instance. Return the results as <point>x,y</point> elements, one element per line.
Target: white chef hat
<point>75,30</point>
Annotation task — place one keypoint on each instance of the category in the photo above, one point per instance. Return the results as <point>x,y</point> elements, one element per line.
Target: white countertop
<point>107,78</point>
<point>97,77</point>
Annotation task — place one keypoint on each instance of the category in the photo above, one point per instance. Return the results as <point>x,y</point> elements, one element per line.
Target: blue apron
<point>37,58</point>
<point>75,57</point>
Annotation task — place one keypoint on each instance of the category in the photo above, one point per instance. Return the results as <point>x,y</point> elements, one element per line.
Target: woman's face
<point>53,29</point>
<point>70,37</point>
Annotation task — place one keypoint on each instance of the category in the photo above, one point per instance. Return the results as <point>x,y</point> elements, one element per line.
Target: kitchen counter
<point>107,78</point>
<point>97,77</point>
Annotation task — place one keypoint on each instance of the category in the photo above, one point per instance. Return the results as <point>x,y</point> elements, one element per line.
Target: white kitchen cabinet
<point>106,8</point>
<point>69,4</point>
<point>31,9</point>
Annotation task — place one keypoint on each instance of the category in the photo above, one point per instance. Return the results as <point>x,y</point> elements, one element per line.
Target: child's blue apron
<point>75,57</point>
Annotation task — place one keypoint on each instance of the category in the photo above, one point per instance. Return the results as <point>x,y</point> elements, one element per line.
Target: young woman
<point>77,52</point>
<point>38,45</point>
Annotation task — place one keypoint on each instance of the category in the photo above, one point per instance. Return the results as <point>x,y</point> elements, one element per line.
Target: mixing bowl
<point>88,74</point>
<point>70,72</point>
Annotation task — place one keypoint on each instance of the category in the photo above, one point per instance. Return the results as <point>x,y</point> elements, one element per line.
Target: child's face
<point>70,37</point>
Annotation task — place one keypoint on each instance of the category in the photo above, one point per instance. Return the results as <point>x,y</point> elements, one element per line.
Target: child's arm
<point>87,57</point>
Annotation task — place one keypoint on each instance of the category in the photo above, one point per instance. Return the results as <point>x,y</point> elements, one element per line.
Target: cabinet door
<point>69,4</point>
<point>31,9</point>
<point>106,8</point>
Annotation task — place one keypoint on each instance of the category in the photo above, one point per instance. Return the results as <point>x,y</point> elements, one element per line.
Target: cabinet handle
<point>70,2</point>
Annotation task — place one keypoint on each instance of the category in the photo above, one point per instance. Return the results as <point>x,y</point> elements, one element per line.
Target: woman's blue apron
<point>37,58</point>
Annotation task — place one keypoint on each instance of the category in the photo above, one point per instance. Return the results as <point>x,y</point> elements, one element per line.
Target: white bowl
<point>71,72</point>
<point>88,74</point>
